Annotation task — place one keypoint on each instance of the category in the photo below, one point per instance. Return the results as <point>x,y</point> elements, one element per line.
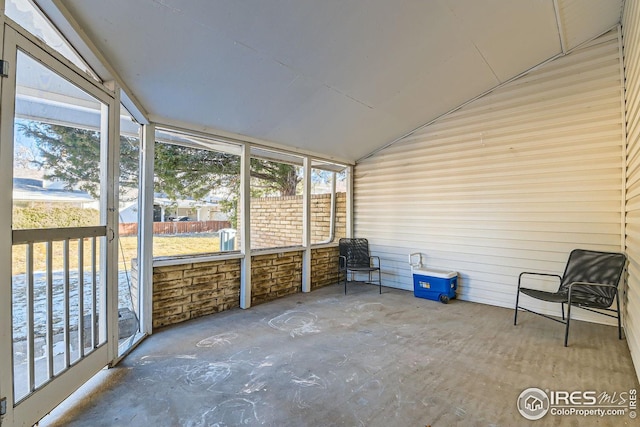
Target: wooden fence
<point>178,227</point>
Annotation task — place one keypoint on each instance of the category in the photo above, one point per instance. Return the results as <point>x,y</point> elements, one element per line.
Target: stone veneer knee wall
<point>191,290</point>
<point>275,275</point>
<point>324,267</point>
<point>186,291</point>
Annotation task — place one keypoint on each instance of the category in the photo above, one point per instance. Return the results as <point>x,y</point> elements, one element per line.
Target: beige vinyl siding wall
<point>631,36</point>
<point>509,183</point>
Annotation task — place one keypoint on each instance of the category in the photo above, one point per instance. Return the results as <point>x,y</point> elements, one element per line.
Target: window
<point>276,199</point>
<point>197,183</point>
<point>56,151</point>
<point>328,202</point>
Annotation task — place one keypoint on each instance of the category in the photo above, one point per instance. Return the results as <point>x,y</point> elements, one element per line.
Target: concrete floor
<point>326,359</point>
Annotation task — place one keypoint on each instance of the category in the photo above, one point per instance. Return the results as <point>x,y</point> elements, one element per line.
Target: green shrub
<point>53,217</point>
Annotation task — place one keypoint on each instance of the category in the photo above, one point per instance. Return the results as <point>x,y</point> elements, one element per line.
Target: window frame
<point>198,141</point>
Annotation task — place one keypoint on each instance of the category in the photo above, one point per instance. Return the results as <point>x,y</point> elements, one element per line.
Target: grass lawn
<point>172,245</point>
<point>162,246</point>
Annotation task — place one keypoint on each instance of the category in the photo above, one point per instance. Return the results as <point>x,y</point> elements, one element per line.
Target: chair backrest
<point>356,251</point>
<point>594,267</point>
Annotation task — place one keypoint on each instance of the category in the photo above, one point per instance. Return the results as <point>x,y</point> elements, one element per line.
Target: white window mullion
<point>306,226</point>
<point>245,227</point>
<point>145,230</point>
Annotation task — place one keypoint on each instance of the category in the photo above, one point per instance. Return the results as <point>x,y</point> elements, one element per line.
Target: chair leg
<point>346,273</point>
<point>562,305</point>
<point>515,314</point>
<point>619,321</point>
<point>566,332</point>
<point>380,282</point>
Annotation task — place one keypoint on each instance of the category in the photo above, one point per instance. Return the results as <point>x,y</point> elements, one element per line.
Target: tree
<point>273,177</point>
<point>72,155</point>
<point>185,172</point>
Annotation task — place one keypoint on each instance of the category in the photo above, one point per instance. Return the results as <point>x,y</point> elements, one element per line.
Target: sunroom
<point>176,167</point>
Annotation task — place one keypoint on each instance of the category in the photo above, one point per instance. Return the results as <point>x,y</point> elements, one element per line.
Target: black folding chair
<point>355,258</point>
<point>590,281</point>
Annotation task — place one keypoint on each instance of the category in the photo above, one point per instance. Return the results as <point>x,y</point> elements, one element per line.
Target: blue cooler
<point>436,285</point>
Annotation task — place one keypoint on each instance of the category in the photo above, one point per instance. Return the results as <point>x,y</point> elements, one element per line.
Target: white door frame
<point>31,409</point>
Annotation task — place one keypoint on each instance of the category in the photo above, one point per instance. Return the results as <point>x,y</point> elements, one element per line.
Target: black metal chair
<point>590,281</point>
<point>355,258</point>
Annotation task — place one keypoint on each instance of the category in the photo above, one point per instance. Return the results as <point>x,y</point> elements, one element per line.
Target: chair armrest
<point>590,284</point>
<point>342,262</point>
<point>575,287</point>
<point>371,258</point>
<point>536,274</point>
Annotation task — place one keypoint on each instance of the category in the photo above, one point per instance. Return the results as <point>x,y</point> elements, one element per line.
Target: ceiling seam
<point>487,63</point>
<point>299,74</point>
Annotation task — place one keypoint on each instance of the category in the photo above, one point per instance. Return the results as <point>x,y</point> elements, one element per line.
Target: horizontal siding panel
<point>518,203</point>
<point>633,186</point>
<point>633,205</point>
<point>490,179</point>
<point>632,168</point>
<point>423,217</point>
<point>633,133</point>
<point>631,43</point>
<point>493,184</point>
<point>512,123</point>
<point>507,226</point>
<point>513,160</point>
<point>506,239</point>
<point>564,131</point>
<point>508,249</point>
<point>520,208</point>
<point>512,182</point>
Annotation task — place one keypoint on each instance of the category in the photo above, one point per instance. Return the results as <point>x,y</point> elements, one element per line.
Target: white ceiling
<point>336,77</point>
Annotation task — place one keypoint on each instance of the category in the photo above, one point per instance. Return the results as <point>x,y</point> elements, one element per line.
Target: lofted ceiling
<point>340,78</point>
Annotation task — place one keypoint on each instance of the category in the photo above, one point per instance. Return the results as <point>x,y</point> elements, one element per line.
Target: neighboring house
<point>165,209</point>
<point>27,191</point>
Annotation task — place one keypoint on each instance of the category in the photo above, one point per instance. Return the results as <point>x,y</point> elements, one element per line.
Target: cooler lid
<point>441,274</point>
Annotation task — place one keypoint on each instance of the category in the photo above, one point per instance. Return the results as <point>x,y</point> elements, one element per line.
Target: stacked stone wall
<point>187,291</point>
<point>275,275</point>
<point>324,267</point>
